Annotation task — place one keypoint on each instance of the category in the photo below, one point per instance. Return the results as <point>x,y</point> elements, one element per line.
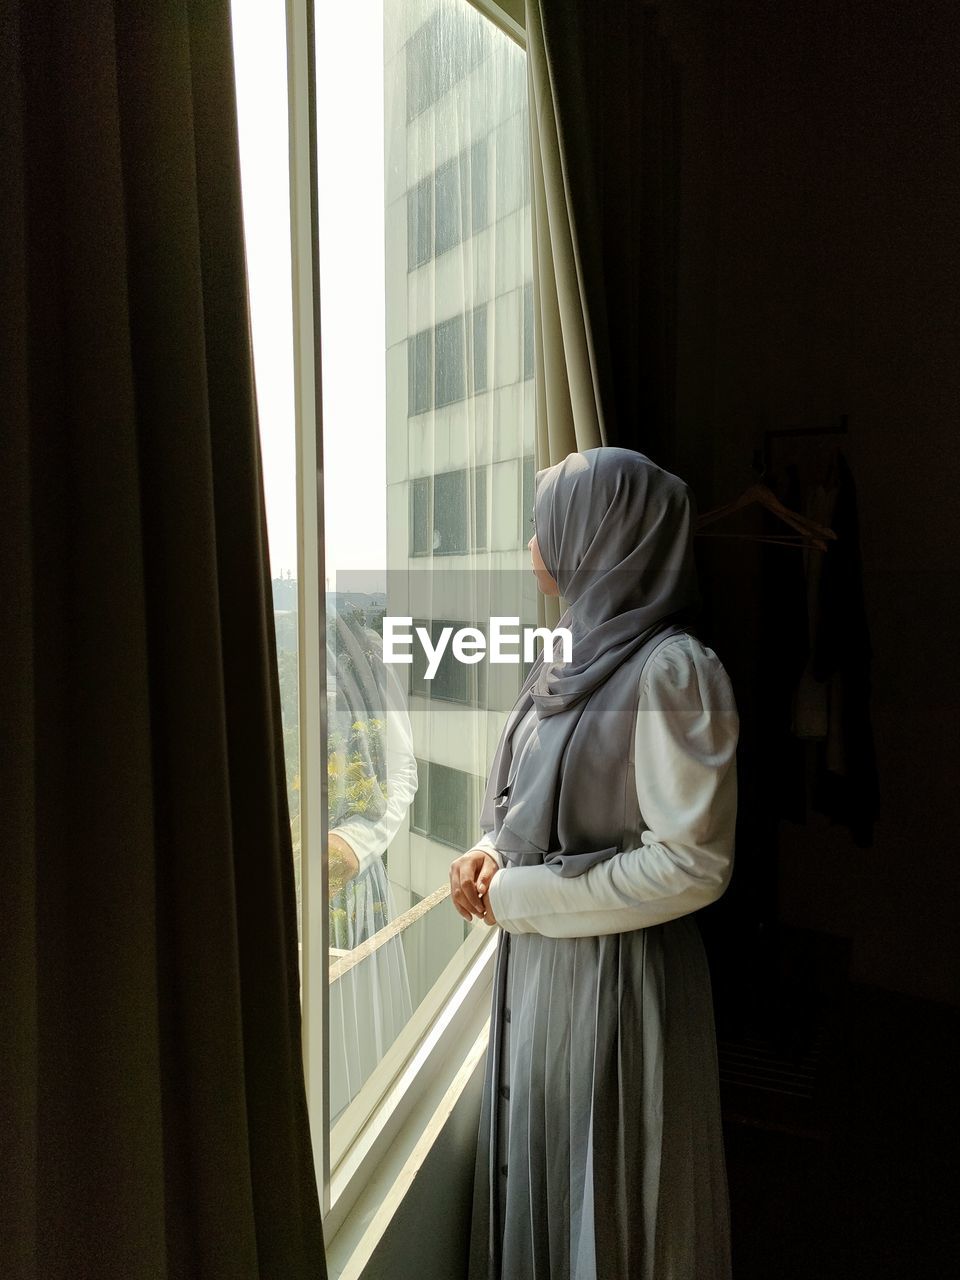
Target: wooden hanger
<point>809,532</point>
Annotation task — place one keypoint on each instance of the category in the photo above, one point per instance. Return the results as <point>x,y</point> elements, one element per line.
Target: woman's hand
<point>470,878</point>
<point>343,862</point>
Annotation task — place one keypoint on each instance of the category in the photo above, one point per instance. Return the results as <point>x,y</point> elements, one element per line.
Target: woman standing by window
<point>608,820</point>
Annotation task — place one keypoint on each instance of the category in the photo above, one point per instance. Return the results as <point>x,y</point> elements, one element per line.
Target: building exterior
<point>460,404</point>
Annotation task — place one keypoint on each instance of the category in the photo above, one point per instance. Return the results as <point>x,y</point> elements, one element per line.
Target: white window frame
<point>439,1046</point>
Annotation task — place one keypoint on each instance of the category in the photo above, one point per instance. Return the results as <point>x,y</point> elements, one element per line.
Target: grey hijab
<point>616,533</point>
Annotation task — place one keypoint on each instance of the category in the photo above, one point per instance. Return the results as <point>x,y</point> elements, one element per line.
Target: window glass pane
<point>478,185</point>
<point>480,348</point>
<point>447,809</point>
<point>450,513</point>
<point>452,681</point>
<point>419,223</point>
<point>420,371</point>
<point>449,360</point>
<point>423,53</point>
<point>424,243</point>
<point>480,510</point>
<point>421,518</point>
<point>442,51</point>
<point>448,230</point>
<point>259,39</point>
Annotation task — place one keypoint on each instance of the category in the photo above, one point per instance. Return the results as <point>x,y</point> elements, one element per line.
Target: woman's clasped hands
<point>470,877</point>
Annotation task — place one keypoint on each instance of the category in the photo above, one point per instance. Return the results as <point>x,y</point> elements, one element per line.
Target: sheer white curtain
<point>428,424</point>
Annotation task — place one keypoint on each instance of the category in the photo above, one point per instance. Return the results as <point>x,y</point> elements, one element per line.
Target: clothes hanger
<point>809,532</point>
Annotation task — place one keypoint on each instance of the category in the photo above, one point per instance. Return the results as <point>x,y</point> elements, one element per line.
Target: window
<point>453,681</point>
<point>449,229</point>
<point>479,349</point>
<point>419,223</point>
<point>478,186</point>
<point>449,364</point>
<point>441,52</point>
<point>455,198</point>
<point>261,71</point>
<point>420,372</point>
<point>480,510</point>
<point>424,248</point>
<point>445,808</point>
<point>421,516</point>
<point>440,363</point>
<point>440,521</point>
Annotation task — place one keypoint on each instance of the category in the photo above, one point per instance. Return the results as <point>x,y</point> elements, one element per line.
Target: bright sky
<point>351,216</point>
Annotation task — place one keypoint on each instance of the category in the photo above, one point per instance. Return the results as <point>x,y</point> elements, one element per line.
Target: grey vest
<point>596,812</point>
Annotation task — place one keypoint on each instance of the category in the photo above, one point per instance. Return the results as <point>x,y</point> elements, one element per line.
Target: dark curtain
<point>605,95</point>
<point>153,1109</point>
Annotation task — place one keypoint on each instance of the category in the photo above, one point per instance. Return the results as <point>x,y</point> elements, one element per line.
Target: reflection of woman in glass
<point>608,820</point>
<point>371,781</point>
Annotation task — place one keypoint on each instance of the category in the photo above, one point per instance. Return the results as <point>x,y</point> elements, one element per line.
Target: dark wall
<point>818,276</point>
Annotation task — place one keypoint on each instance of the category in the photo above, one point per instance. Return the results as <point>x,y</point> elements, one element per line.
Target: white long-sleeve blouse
<point>686,737</point>
<point>369,838</point>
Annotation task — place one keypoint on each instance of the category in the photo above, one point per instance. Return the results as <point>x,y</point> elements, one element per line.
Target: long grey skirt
<point>601,1150</point>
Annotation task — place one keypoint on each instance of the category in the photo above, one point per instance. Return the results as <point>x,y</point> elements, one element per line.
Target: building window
<point>453,681</point>
<point>449,363</point>
<point>419,223</point>
<point>449,229</point>
<point>450,513</point>
<point>448,206</point>
<point>479,349</point>
<point>440,366</point>
<point>440,53</point>
<point>478,186</point>
<point>480,509</point>
<point>445,806</point>
<point>421,516</point>
<point>440,515</point>
<point>420,372</point>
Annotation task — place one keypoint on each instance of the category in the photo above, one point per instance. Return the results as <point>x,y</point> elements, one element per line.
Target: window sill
<point>375,1172</point>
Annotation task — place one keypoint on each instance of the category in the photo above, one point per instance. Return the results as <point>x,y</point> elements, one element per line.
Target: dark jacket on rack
<point>846,786</point>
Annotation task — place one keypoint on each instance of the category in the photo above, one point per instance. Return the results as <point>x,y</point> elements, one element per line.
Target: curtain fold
<point>604,151</point>
<point>604,122</point>
<point>153,1108</point>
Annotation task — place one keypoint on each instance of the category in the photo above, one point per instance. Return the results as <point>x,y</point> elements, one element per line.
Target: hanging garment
<point>782,655</point>
<point>846,786</point>
<point>600,1153</point>
<point>811,711</point>
<point>830,702</point>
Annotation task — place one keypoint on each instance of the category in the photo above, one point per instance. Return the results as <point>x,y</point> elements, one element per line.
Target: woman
<point>608,819</point>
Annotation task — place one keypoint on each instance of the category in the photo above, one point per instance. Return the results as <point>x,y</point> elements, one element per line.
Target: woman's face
<point>540,571</point>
